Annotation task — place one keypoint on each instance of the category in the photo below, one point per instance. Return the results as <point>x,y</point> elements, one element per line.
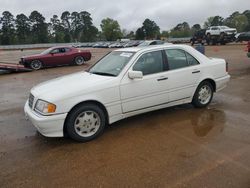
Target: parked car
<point>132,44</point>
<point>124,83</point>
<point>62,55</point>
<point>220,34</point>
<point>151,42</point>
<point>116,45</point>
<point>245,36</point>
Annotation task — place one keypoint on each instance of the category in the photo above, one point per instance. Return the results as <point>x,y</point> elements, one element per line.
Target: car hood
<point>71,85</point>
<point>31,56</point>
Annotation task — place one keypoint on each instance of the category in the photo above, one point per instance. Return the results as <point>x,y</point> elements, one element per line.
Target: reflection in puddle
<point>205,121</point>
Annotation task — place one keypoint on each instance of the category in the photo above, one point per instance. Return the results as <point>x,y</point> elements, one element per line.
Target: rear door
<point>183,74</point>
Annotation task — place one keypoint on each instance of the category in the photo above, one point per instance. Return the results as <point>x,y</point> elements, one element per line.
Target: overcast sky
<point>131,13</point>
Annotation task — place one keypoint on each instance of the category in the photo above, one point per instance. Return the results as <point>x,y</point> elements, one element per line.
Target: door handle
<point>161,79</point>
<point>196,71</point>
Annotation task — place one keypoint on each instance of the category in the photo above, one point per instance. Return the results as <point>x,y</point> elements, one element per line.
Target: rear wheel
<point>36,65</point>
<point>85,123</point>
<point>79,60</point>
<point>203,95</point>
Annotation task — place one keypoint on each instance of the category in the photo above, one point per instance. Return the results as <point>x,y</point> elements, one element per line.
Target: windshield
<point>46,51</point>
<point>112,64</point>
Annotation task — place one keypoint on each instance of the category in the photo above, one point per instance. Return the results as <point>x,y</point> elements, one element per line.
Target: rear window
<point>179,59</point>
<point>176,59</point>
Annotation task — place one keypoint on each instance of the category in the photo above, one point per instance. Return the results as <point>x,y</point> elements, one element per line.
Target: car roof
<point>147,48</point>
<point>54,47</point>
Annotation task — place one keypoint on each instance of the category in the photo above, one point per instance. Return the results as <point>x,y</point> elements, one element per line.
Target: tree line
<point>79,27</point>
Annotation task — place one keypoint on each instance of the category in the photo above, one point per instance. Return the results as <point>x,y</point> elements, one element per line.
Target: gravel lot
<point>174,147</point>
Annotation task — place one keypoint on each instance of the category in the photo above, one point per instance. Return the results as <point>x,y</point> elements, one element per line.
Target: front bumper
<point>22,62</point>
<point>49,126</point>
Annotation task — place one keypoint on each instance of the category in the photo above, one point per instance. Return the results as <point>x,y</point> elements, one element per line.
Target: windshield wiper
<point>103,73</point>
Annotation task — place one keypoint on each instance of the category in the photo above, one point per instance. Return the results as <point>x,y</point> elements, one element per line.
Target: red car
<point>60,55</point>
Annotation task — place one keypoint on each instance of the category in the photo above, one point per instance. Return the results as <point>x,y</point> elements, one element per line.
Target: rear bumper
<point>222,82</point>
<point>49,126</point>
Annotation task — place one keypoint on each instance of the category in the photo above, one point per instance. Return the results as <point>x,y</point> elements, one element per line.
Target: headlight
<point>45,107</point>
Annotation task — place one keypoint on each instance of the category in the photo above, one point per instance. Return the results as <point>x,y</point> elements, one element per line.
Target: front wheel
<point>85,123</point>
<point>203,95</point>
<point>79,60</point>
<point>36,65</point>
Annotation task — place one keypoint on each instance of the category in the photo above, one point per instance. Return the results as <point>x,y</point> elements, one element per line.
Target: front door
<point>56,57</point>
<point>151,90</point>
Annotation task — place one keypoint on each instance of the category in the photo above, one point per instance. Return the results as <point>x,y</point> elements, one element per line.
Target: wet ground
<point>175,147</point>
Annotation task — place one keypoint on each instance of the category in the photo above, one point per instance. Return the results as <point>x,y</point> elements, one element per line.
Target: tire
<point>36,65</point>
<point>79,60</point>
<point>203,95</point>
<point>222,39</point>
<point>85,123</point>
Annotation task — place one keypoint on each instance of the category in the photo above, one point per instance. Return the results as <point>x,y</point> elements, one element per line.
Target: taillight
<point>226,66</point>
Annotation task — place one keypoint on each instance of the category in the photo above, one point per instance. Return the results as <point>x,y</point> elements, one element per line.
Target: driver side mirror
<point>135,74</point>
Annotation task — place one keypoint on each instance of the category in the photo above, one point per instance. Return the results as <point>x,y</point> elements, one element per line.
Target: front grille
<point>31,100</point>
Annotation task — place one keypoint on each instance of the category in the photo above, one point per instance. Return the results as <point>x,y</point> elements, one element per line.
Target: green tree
<point>22,29</point>
<point>139,34</point>
<point>247,14</point>
<point>88,31</point>
<point>217,21</point>
<point>130,35</point>
<point>75,27</point>
<point>111,29</point>
<point>57,29</point>
<point>66,23</point>
<point>240,22</point>
<point>208,22</point>
<point>196,27</point>
<point>39,27</point>
<point>151,29</point>
<point>8,30</point>
<point>165,34</point>
<point>181,30</point>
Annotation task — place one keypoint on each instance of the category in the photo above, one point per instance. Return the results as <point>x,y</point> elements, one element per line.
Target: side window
<point>149,63</point>
<point>55,51</point>
<point>160,42</point>
<point>191,60</point>
<point>176,59</point>
<point>67,50</point>
<point>153,43</point>
<point>62,50</point>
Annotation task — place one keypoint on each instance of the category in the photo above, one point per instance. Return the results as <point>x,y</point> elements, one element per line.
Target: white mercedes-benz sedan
<point>124,83</point>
